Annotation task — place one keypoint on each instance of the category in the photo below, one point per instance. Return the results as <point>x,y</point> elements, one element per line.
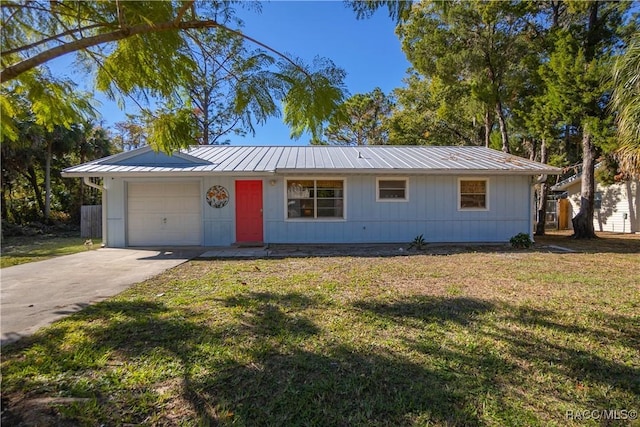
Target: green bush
<point>521,240</point>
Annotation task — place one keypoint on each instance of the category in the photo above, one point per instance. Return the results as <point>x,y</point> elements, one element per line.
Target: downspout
<point>87,182</point>
<point>542,179</point>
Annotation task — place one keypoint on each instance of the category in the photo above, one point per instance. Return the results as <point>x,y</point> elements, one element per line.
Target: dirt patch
<point>605,242</point>
<point>39,411</point>
<point>381,250</point>
<point>554,241</point>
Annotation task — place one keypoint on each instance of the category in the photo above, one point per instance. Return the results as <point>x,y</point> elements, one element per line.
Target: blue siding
<point>432,210</point>
<point>219,223</point>
<point>159,159</point>
<point>115,212</point>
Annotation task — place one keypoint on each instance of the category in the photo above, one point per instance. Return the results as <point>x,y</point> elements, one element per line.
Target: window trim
<point>315,179</point>
<point>486,193</point>
<point>392,178</point>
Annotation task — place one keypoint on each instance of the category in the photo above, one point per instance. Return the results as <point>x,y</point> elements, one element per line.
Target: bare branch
<point>121,20</point>
<point>220,133</point>
<point>280,54</point>
<point>208,53</point>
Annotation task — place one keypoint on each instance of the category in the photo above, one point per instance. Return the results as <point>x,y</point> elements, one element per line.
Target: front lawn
<point>21,250</point>
<point>481,338</point>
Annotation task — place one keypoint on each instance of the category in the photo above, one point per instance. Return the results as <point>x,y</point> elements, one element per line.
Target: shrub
<point>418,242</point>
<point>521,240</point>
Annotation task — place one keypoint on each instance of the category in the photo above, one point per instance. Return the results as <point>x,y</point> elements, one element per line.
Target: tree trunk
<point>32,177</point>
<point>47,182</point>
<point>488,125</point>
<point>532,147</point>
<point>3,201</point>
<point>503,127</point>
<point>541,224</point>
<point>583,221</point>
<point>555,14</point>
<point>634,208</point>
<point>206,121</point>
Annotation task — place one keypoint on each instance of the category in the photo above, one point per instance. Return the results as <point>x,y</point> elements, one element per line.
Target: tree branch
<point>183,10</point>
<point>121,20</point>
<point>220,133</point>
<point>66,33</point>
<point>15,70</point>
<point>280,54</point>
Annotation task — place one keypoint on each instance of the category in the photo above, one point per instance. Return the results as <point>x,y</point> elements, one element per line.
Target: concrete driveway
<point>36,294</point>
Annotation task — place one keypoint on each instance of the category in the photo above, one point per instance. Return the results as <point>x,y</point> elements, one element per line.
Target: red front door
<point>249,211</point>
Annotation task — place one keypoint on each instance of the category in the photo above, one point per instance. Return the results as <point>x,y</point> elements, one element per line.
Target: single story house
<point>617,206</point>
<point>225,195</point>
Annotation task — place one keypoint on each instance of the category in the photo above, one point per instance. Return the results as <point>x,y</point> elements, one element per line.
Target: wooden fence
<point>91,221</point>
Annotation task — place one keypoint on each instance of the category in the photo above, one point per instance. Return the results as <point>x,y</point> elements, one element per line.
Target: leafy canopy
<point>626,101</point>
<point>141,50</point>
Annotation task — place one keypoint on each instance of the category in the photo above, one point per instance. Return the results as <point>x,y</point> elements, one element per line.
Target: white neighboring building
<point>618,209</point>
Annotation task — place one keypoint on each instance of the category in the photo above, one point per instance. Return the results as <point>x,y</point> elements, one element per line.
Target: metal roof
<point>388,159</point>
<point>573,179</point>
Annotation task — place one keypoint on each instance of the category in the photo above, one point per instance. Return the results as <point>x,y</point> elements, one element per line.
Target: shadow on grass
<point>264,314</point>
<point>341,386</point>
<point>272,365</point>
<point>124,330</point>
<point>530,339</point>
<point>615,327</point>
<point>567,360</point>
<point>430,309</point>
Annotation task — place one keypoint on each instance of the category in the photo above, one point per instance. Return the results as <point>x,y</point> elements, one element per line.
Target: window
<point>473,194</point>
<point>315,198</point>
<point>392,190</point>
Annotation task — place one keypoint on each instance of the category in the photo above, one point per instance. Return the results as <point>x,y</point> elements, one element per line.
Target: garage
<point>167,213</point>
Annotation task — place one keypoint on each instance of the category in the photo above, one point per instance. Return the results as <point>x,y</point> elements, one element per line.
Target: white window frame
<point>392,200</point>
<point>316,218</point>
<point>486,195</point>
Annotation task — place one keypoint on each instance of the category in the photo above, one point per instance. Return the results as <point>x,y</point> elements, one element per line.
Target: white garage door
<point>162,214</point>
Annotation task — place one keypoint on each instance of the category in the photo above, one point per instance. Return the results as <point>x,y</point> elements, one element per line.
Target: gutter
<point>416,171</point>
<point>85,179</point>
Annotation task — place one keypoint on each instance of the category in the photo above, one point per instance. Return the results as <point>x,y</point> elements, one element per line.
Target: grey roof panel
<point>323,159</point>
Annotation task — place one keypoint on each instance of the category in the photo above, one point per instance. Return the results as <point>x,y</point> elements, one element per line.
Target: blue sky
<point>368,50</point>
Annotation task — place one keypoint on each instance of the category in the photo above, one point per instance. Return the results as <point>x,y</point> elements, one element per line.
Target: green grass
<point>510,338</point>
<point>21,250</point>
